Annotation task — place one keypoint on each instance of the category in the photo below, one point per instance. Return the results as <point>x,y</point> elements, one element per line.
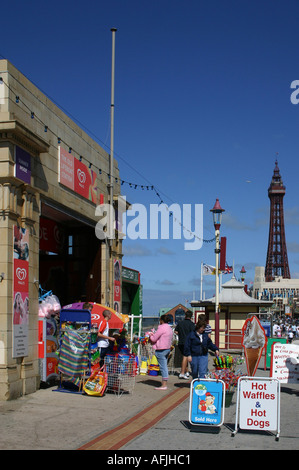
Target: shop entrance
<point>69,257</point>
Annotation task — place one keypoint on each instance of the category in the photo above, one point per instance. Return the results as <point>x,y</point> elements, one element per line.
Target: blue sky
<point>202,107</point>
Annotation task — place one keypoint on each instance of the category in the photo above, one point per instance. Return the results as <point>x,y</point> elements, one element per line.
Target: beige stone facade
<point>31,122</point>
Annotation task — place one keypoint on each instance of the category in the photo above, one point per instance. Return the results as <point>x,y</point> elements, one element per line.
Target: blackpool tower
<point>277,257</point>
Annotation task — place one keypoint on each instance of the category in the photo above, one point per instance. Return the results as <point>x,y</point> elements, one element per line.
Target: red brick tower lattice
<point>277,257</point>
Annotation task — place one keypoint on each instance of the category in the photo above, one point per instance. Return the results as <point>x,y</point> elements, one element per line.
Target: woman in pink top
<point>162,341</point>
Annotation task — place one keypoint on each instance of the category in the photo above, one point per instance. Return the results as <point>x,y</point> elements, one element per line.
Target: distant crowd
<point>284,329</point>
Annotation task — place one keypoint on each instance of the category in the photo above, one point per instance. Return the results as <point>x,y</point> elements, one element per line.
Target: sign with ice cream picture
<point>254,340</point>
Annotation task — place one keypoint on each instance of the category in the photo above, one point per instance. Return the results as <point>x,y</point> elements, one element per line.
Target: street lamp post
<point>217,215</point>
<point>243,272</point>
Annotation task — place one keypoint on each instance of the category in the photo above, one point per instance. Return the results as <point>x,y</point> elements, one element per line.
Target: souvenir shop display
<point>74,354</point>
<point>146,352</point>
<point>227,371</point>
<point>80,367</point>
<point>48,304</point>
<point>121,369</point>
<point>153,367</point>
<point>47,349</point>
<point>223,362</point>
<point>48,330</point>
<point>148,361</point>
<point>97,383</point>
<point>143,368</point>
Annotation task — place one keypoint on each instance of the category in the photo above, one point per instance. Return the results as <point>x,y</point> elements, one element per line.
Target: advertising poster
<point>48,346</point>
<point>207,402</point>
<point>254,340</point>
<point>20,291</point>
<point>117,286</point>
<point>76,176</point>
<point>23,165</point>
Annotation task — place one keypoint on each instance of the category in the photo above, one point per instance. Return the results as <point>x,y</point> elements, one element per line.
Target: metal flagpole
<point>201,281</point>
<point>110,226</point>
<point>113,30</point>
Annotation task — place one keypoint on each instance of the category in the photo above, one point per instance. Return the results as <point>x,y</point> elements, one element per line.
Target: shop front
<point>132,294</point>
<point>53,176</point>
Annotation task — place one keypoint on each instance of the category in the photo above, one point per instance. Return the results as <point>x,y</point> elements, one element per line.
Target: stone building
<point>53,176</point>
<point>281,291</point>
<point>234,307</point>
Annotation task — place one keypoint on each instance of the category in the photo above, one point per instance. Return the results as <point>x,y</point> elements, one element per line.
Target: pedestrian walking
<point>294,330</point>
<point>162,341</point>
<point>196,349</point>
<point>290,336</point>
<point>183,328</point>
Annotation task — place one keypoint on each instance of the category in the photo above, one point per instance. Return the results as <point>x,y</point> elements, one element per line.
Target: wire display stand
<point>147,352</point>
<point>170,361</point>
<point>121,371</point>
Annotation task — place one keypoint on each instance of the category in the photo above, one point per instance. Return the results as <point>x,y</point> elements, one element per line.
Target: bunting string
<point>147,187</point>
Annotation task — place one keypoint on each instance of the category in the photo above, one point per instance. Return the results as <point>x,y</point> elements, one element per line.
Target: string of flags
<point>117,180</point>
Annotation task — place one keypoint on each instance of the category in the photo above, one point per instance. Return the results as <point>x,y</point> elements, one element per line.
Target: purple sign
<point>23,165</point>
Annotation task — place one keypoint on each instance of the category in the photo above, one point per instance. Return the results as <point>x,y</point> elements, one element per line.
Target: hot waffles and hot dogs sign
<point>76,176</point>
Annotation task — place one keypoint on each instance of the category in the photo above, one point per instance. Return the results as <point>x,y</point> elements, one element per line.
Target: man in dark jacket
<point>183,328</point>
<point>196,349</point>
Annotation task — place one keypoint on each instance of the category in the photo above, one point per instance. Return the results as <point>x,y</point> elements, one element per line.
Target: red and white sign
<point>285,362</point>
<point>76,176</point>
<point>20,291</point>
<point>259,403</point>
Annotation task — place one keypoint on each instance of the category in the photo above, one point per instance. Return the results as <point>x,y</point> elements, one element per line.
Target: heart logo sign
<point>95,316</point>
<point>21,274</point>
<point>81,176</point>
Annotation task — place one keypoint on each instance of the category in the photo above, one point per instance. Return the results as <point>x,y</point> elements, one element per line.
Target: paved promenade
<point>147,419</point>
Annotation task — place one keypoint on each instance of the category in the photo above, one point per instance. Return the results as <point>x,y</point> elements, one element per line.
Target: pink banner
<point>20,291</point>
<point>76,176</point>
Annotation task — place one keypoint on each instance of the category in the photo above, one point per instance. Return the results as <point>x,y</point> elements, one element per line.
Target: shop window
<point>70,245</point>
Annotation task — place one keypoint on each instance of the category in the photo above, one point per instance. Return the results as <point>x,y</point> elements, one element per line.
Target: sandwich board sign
<point>258,405</point>
<point>206,406</point>
<point>285,362</point>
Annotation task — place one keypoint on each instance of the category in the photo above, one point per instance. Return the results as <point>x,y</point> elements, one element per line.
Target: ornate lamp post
<point>243,272</point>
<point>217,216</point>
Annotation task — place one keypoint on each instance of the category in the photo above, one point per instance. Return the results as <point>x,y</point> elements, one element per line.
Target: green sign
<point>130,275</point>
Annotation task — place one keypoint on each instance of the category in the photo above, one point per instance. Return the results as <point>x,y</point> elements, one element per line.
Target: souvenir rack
<point>80,321</point>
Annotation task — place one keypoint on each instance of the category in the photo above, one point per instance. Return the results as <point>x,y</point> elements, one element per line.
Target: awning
<point>117,320</point>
